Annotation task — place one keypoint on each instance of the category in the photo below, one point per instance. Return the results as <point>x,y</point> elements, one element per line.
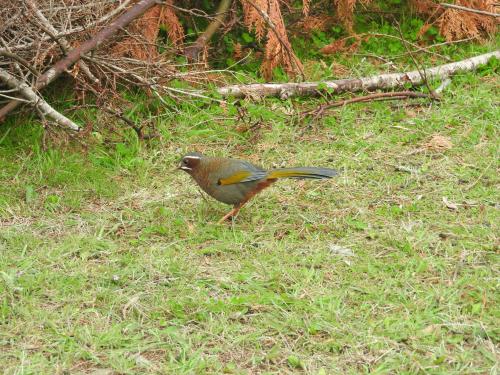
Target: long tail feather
<point>302,172</point>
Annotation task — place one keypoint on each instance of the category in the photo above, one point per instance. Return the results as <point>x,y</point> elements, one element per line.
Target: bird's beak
<point>183,167</point>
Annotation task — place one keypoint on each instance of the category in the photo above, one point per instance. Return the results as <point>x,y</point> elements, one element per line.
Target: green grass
<point>111,262</point>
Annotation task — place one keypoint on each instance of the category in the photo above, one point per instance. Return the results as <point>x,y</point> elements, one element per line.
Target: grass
<point>111,263</point>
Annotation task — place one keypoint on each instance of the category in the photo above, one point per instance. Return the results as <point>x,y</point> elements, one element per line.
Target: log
<point>76,54</point>
<point>382,81</point>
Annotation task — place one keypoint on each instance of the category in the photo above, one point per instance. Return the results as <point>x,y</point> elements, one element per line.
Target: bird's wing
<point>242,176</point>
<point>245,173</point>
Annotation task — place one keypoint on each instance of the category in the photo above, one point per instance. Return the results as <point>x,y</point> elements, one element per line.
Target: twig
<point>193,12</point>
<point>416,46</point>
<point>396,95</point>
<point>20,60</point>
<point>481,175</point>
<point>40,104</point>
<point>422,72</point>
<point>16,65</point>
<point>471,10</point>
<point>427,48</point>
<point>120,115</point>
<point>125,119</point>
<point>156,87</point>
<point>75,54</point>
<point>446,82</point>
<point>193,51</point>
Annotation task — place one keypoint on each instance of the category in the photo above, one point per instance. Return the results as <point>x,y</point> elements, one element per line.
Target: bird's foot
<point>229,215</point>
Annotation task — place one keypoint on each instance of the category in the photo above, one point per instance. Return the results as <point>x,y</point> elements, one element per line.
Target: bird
<point>235,182</point>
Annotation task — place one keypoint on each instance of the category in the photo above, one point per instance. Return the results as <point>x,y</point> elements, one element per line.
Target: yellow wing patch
<point>280,174</point>
<point>235,178</point>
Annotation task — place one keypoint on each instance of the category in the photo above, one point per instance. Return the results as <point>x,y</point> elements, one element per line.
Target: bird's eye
<point>184,162</point>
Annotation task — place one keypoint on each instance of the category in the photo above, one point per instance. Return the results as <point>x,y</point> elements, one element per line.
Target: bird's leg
<point>233,212</point>
<point>237,207</point>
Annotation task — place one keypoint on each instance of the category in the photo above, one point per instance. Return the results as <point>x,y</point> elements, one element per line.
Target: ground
<point>112,262</point>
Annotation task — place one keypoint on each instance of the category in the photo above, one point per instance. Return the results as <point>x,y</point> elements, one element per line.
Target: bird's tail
<point>302,172</point>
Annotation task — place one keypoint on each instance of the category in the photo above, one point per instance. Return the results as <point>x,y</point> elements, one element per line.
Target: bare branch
<point>35,100</point>
<point>422,72</point>
<point>193,51</point>
<point>367,98</point>
<point>470,10</point>
<point>20,60</point>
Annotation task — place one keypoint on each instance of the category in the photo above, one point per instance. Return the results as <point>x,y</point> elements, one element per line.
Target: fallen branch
<point>32,98</point>
<point>470,10</point>
<point>194,51</point>
<point>396,95</point>
<point>382,81</point>
<point>76,54</point>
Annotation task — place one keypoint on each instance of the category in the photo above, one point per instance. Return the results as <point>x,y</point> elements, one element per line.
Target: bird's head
<point>190,162</point>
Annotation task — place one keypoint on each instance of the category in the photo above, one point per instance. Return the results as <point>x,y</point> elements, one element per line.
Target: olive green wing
<point>242,171</point>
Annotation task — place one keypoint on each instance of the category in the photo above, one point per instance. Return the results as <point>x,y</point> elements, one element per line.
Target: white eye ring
<point>193,157</point>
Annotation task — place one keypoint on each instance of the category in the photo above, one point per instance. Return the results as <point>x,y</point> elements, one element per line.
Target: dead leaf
<point>344,252</point>
<point>336,46</point>
<point>339,70</point>
<point>410,113</point>
<point>450,205</point>
<point>131,304</point>
<point>102,371</point>
<point>432,329</point>
<point>341,46</point>
<point>310,23</point>
<point>141,361</point>
<point>407,169</point>
<point>438,143</point>
<point>237,53</point>
<point>191,227</point>
<point>423,30</point>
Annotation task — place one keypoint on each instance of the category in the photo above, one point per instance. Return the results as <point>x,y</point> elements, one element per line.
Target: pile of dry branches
<point>90,40</point>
